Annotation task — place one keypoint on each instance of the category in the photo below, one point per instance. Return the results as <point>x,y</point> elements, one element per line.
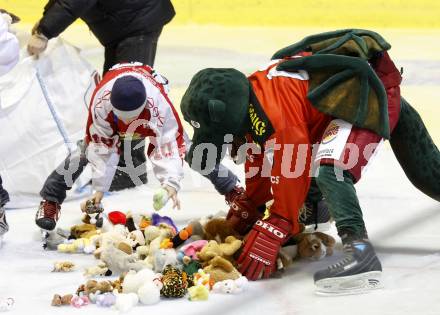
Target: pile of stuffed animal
<point>154,259</point>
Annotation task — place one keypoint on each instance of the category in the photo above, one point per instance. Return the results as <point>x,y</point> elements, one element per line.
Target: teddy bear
<point>231,286</point>
<point>117,234</point>
<point>145,283</point>
<point>59,300</point>
<point>225,250</point>
<point>63,266</point>
<point>83,231</point>
<point>217,259</point>
<point>118,261</point>
<point>163,257</point>
<point>99,270</point>
<point>218,229</point>
<point>95,287</point>
<point>154,236</point>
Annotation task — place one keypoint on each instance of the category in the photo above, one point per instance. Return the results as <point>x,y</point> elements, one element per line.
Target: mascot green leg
<point>416,152</point>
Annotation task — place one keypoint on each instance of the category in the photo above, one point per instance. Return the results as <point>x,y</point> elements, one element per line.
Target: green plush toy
<point>160,199</point>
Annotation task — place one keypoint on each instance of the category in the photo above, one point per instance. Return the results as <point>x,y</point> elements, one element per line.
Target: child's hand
<point>96,197</point>
<point>172,193</point>
<point>162,196</point>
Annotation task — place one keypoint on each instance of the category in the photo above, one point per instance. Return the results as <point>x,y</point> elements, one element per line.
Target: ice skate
<point>4,227</point>
<point>358,272</point>
<point>47,215</point>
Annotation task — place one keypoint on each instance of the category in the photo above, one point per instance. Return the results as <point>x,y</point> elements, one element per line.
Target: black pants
<point>64,176</point>
<point>4,196</point>
<point>141,48</point>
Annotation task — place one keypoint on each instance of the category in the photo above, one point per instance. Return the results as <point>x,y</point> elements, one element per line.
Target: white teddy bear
<point>145,283</point>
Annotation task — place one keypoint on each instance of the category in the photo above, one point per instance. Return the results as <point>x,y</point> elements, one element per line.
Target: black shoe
<point>4,226</point>
<point>360,270</point>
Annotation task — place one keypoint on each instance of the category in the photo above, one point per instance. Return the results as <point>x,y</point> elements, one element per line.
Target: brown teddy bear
<point>218,229</point>
<point>59,300</point>
<point>93,286</point>
<point>217,259</point>
<point>83,231</point>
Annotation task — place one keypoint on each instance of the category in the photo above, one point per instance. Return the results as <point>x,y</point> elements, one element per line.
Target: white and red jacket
<point>159,122</point>
<point>9,48</point>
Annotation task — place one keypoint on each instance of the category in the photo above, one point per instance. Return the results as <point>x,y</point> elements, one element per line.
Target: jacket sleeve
<point>59,14</point>
<point>290,175</point>
<point>103,144</point>
<point>167,148</point>
<point>9,48</point>
<point>257,170</point>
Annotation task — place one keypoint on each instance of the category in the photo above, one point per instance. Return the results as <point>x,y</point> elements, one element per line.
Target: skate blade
<point>44,238</point>
<point>356,284</point>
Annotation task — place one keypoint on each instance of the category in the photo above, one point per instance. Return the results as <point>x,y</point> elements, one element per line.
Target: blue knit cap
<point>128,94</point>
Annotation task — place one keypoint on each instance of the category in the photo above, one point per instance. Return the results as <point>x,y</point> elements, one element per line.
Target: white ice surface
<point>403,225</point>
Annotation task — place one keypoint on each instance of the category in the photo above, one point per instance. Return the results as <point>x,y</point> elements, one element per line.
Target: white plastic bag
<point>43,113</point>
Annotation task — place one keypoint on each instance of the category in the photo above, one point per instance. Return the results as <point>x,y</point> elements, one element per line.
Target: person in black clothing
<point>128,29</point>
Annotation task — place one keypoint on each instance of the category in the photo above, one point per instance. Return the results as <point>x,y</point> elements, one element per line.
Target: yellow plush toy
<point>76,246</point>
<point>198,293</point>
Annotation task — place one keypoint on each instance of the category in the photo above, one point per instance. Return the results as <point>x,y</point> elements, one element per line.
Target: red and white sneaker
<point>47,215</point>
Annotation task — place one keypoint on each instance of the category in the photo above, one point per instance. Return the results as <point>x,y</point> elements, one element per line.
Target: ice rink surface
<point>403,223</point>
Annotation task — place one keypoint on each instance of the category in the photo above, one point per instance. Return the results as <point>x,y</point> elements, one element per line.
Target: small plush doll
<point>203,278</point>
<point>59,300</point>
<point>93,214</point>
<point>74,246</point>
<point>175,282</point>
<point>192,249</point>
<point>79,301</point>
<point>198,293</point>
<point>231,286</point>
<point>164,257</point>
<point>157,219</point>
<point>95,287</point>
<point>6,304</point>
<point>105,300</point>
<point>63,266</point>
<point>99,270</point>
<point>117,217</point>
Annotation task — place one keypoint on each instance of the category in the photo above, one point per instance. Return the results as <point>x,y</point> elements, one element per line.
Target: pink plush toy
<point>193,248</point>
<point>79,301</point>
